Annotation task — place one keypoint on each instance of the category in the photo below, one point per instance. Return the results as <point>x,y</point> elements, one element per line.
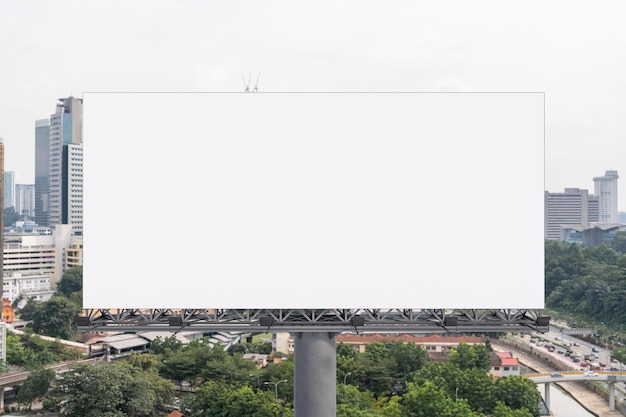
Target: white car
<point>591,373</point>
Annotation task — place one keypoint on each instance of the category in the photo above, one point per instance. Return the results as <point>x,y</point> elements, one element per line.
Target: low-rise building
<point>504,364</point>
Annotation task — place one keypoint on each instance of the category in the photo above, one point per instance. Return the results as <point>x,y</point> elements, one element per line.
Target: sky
<point>573,51</point>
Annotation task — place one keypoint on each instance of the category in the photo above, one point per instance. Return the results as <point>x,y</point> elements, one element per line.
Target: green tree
<point>145,361</point>
<point>501,410</point>
<point>56,318</point>
<point>71,281</point>
<point>111,389</point>
<point>517,393</point>
<point>36,386</point>
<point>428,400</point>
<point>470,356</point>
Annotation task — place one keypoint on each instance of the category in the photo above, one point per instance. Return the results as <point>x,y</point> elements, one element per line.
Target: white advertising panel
<point>313,200</point>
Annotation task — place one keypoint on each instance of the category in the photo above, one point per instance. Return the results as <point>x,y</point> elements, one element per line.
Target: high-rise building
<point>73,187</point>
<point>65,156</point>
<point>570,207</point>
<point>42,172</point>
<point>25,199</point>
<point>605,188</point>
<point>9,189</point>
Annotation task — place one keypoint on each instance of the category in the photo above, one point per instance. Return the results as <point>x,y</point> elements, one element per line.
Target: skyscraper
<point>42,172</point>
<point>25,199</point>
<point>9,189</point>
<point>605,188</point>
<point>65,133</point>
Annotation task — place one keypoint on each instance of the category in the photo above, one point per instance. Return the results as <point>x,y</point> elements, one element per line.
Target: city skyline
<point>570,51</point>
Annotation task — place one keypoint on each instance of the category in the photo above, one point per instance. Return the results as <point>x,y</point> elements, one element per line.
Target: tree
<point>467,357</point>
<point>517,393</point>
<point>36,386</point>
<point>56,318</point>
<point>71,281</point>
<point>428,400</point>
<point>111,389</point>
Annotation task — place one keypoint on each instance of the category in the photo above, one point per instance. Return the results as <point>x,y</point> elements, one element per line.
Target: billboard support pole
<point>315,374</point>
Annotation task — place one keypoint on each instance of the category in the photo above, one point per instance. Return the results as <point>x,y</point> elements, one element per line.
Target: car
<point>557,338</point>
<point>555,375</point>
<point>613,369</point>
<point>591,373</point>
<point>583,364</point>
<point>613,360</point>
<point>575,344</point>
<point>533,340</point>
<point>568,353</point>
<point>594,349</point>
<point>602,364</point>
<point>560,351</point>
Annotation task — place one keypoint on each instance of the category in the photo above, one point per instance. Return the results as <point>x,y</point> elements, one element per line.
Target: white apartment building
<point>34,263</point>
<point>74,201</point>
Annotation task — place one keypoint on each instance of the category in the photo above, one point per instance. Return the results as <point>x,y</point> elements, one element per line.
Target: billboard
<point>313,200</point>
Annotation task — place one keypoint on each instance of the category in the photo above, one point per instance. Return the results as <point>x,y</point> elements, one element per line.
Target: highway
<point>564,342</point>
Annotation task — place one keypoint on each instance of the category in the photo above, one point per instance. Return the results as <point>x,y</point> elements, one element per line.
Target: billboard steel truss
<point>322,320</point>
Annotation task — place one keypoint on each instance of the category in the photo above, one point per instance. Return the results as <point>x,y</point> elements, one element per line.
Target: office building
<point>9,189</point>
<point>570,207</point>
<point>64,188</point>
<point>25,199</point>
<point>42,172</point>
<point>605,188</point>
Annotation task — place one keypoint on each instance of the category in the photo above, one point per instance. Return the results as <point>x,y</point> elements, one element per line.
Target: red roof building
<point>504,364</point>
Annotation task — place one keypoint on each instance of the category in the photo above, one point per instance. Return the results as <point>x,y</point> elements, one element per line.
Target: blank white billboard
<point>313,200</point>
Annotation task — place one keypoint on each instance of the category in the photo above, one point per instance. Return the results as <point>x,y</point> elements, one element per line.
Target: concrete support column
<point>315,374</point>
<point>546,395</point>
<point>612,396</point>
<point>2,399</point>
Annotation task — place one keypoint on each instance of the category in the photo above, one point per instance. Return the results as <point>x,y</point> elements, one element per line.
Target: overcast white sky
<point>574,51</point>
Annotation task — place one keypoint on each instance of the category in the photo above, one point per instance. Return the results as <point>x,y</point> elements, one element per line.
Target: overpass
<point>16,378</point>
<point>578,376</point>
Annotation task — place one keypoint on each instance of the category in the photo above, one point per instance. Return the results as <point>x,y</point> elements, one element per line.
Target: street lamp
<point>344,378</point>
<point>275,386</point>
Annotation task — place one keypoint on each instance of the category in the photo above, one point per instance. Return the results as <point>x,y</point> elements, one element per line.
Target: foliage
<point>36,386</point>
<point>166,346</point>
<point>218,399</point>
<point>518,393</point>
<point>429,400</point>
<point>32,352</point>
<point>55,318</point>
<point>588,283</point>
<point>466,356</point>
<point>71,281</point>
<point>199,361</point>
<point>111,389</point>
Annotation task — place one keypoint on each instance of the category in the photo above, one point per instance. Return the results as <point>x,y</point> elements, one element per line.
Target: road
<point>561,341</point>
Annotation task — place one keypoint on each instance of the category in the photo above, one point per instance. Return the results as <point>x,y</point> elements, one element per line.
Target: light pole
<point>344,378</point>
<point>275,386</point>
<point>456,394</point>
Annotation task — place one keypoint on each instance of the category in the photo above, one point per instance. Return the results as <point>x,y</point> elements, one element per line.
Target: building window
<point>506,368</point>
<point>496,368</point>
